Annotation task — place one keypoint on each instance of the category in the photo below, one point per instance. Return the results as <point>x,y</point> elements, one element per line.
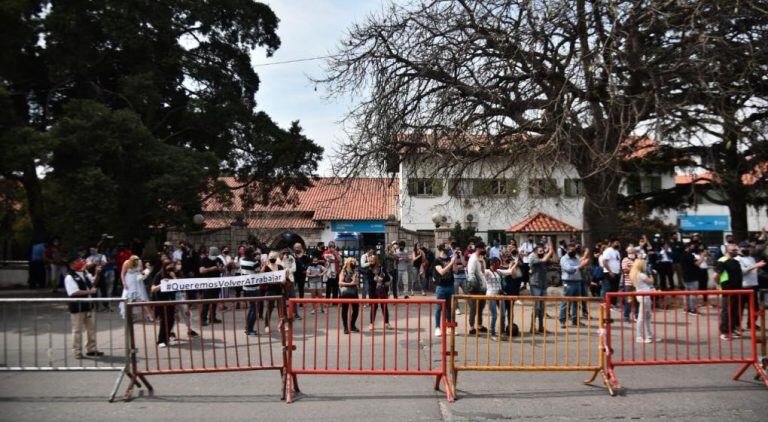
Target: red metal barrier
<point>711,335</point>
<point>393,337</point>
<point>216,342</point>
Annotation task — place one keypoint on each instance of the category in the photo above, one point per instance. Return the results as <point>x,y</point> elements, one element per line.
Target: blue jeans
<point>252,309</point>
<point>691,300</point>
<point>572,289</point>
<point>539,291</point>
<point>494,304</point>
<point>626,302</point>
<point>444,292</point>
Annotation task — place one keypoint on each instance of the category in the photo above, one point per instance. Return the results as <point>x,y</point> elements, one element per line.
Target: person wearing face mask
<point>332,262</point>
<point>165,313</point>
<point>749,268</point>
<point>302,263</point>
<point>349,282</point>
<point>538,260</point>
<point>690,267</point>
<point>403,259</point>
<point>210,267</point>
<point>626,284</point>
<point>493,279</point>
<point>476,285</point>
<point>526,249</point>
<point>571,265</point>
<point>274,289</point>
<point>459,273</point>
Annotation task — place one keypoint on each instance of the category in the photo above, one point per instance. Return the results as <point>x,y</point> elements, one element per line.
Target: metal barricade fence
<point>203,336</point>
<point>380,337</point>
<point>38,336</point>
<point>693,333</point>
<point>514,341</point>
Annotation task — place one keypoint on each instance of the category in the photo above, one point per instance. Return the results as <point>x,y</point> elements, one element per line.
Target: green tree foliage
<point>132,107</point>
<point>463,235</point>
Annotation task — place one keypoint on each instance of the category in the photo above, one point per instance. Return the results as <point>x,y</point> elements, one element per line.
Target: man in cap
<point>80,284</point>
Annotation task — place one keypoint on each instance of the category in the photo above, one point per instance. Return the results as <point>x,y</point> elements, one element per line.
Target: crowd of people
<point>659,263</point>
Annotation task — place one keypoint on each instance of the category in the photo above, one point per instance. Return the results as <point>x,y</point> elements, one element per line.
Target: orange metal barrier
<point>380,337</point>
<point>520,346</point>
<point>197,346</point>
<point>710,335</point>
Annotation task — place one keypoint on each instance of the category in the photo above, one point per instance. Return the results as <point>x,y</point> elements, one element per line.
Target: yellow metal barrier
<point>542,343</point>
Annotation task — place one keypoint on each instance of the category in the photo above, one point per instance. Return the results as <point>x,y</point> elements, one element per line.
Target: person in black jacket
<point>80,284</point>
<point>378,287</point>
<point>166,313</point>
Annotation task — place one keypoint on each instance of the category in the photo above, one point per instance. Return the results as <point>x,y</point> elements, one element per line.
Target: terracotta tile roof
<point>637,147</point>
<point>759,173</point>
<point>278,222</point>
<point>328,199</point>
<point>542,223</point>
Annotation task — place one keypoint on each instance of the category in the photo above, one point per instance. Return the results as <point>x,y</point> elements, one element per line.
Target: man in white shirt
<point>610,261</point>
<point>525,250</point>
<point>80,284</point>
<point>495,251</point>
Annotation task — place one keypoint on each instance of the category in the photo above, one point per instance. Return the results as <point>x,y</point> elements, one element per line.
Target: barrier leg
<point>117,384</point>
<point>607,383</point>
<point>761,373</point>
<point>592,378</point>
<point>741,371</point>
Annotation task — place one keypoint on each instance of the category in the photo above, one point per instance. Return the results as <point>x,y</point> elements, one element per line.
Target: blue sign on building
<point>360,226</point>
<point>690,223</point>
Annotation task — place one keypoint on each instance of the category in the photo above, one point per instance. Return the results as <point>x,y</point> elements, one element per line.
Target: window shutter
<point>437,187</point>
<point>413,187</point>
<point>512,188</point>
<point>655,183</point>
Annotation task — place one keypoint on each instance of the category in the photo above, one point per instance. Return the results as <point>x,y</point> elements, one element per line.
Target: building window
<point>460,188</point>
<point>573,188</point>
<point>643,184</point>
<point>425,187</point>
<point>495,187</point>
<point>543,188</point>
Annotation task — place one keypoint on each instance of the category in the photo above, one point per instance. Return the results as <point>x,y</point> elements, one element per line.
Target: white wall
<point>489,214</point>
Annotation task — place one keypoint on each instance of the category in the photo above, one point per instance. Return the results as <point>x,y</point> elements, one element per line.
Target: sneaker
<point>78,355</point>
<point>423,293</point>
<point>405,297</point>
<point>725,337</point>
<point>387,326</point>
<point>438,332</point>
<point>578,324</point>
<point>458,312</point>
<point>312,312</point>
<point>354,330</point>
<point>346,331</point>
<point>494,337</point>
<point>172,335</point>
<point>652,339</point>
<point>95,353</point>
<point>162,345</point>
<point>562,324</point>
<point>736,334</point>
<point>639,340</point>
<point>267,330</point>
<point>694,313</point>
<point>472,332</point>
<point>172,342</point>
<point>216,321</point>
<point>482,329</point>
<point>252,334</point>
<point>192,334</point>
<point>540,330</point>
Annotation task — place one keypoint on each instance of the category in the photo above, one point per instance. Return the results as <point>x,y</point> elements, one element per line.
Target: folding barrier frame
<point>57,354</point>
<point>312,340</point>
<point>699,347</point>
<point>520,353</point>
<point>195,356</point>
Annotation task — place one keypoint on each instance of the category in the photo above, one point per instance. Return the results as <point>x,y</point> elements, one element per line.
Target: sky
<point>308,28</point>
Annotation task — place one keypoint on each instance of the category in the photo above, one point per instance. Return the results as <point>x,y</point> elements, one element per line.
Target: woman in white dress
<point>134,289</point>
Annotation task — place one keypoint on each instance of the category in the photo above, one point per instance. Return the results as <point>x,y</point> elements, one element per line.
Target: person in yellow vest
<point>728,275</point>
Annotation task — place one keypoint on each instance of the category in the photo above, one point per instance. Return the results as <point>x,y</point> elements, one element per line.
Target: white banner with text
<point>181,284</point>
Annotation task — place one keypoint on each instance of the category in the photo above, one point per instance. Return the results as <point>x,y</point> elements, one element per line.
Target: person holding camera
<point>80,284</point>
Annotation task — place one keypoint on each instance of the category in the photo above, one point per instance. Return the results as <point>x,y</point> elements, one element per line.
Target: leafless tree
<point>522,82</point>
